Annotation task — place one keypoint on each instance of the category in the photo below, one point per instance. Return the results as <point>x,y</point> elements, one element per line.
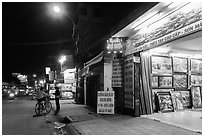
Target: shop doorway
<point>93,86</point>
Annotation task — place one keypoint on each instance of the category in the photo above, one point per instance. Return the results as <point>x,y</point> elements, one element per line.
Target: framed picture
<point>196,66</point>
<point>177,100</point>
<point>180,64</point>
<point>186,98</point>
<point>165,81</point>
<point>180,81</point>
<point>165,102</point>
<point>196,97</point>
<point>155,101</point>
<point>196,80</point>
<point>161,65</point>
<point>154,81</point>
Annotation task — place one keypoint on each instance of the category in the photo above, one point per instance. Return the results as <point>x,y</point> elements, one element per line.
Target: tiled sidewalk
<point>190,120</point>
<point>88,123</point>
<point>126,125</point>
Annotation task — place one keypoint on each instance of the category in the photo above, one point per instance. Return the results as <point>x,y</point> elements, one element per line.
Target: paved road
<point>18,118</point>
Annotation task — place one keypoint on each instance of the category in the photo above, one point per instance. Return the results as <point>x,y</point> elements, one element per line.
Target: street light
<point>58,10</point>
<point>62,60</point>
<point>34,75</point>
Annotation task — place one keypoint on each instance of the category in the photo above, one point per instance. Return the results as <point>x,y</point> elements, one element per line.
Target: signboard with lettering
<point>129,82</point>
<point>115,44</point>
<point>171,36</point>
<point>47,70</point>
<point>177,24</point>
<point>105,102</point>
<point>117,73</point>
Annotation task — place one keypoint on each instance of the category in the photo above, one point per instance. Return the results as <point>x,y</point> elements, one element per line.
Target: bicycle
<point>43,105</point>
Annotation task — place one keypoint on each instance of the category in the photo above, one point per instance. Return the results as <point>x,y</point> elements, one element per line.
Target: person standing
<point>57,97</point>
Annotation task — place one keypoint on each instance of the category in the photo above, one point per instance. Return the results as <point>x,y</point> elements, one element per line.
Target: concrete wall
<point>108,76</point>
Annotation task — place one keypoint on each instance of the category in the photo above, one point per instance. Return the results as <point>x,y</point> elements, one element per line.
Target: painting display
<point>165,101</point>
<point>196,80</point>
<point>186,98</point>
<point>196,97</point>
<point>154,81</point>
<point>161,65</point>
<point>176,83</point>
<point>154,94</point>
<point>165,81</point>
<point>180,81</point>
<point>177,100</point>
<point>180,64</point>
<point>196,66</point>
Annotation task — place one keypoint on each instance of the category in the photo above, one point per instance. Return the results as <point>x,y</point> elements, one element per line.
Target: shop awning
<point>93,61</point>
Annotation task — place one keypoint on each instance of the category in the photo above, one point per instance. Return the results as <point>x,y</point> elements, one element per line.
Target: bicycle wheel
<point>38,109</point>
<point>48,107</point>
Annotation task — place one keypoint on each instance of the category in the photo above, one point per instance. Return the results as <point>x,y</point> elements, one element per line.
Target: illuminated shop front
<point>163,59</point>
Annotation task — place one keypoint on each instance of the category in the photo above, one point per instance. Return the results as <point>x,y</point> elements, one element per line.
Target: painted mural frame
<point>186,95</point>
<point>155,101</point>
<point>177,100</point>
<point>155,81</point>
<point>165,102</point>
<point>196,66</point>
<point>161,65</point>
<point>196,96</point>
<point>165,82</point>
<point>180,81</point>
<point>180,64</point>
<point>196,80</point>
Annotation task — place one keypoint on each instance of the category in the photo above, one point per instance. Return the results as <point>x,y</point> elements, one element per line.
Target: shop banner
<point>181,22</point>
<point>176,34</point>
<point>169,37</point>
<point>117,73</point>
<point>105,102</point>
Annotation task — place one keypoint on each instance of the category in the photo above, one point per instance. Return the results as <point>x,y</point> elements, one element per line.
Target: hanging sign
<point>117,73</point>
<point>47,70</point>
<point>115,44</point>
<point>105,103</point>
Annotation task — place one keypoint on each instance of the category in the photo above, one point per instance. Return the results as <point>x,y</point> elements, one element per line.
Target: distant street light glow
<point>62,59</point>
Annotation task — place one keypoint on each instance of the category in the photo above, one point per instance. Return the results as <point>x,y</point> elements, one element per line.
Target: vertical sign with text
<point>129,82</point>
<point>117,75</point>
<point>105,102</point>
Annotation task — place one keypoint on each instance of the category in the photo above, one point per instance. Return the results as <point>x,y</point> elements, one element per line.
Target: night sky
<point>27,29</point>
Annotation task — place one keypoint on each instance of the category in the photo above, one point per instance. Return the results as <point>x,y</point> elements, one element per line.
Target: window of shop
<point>176,74</point>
